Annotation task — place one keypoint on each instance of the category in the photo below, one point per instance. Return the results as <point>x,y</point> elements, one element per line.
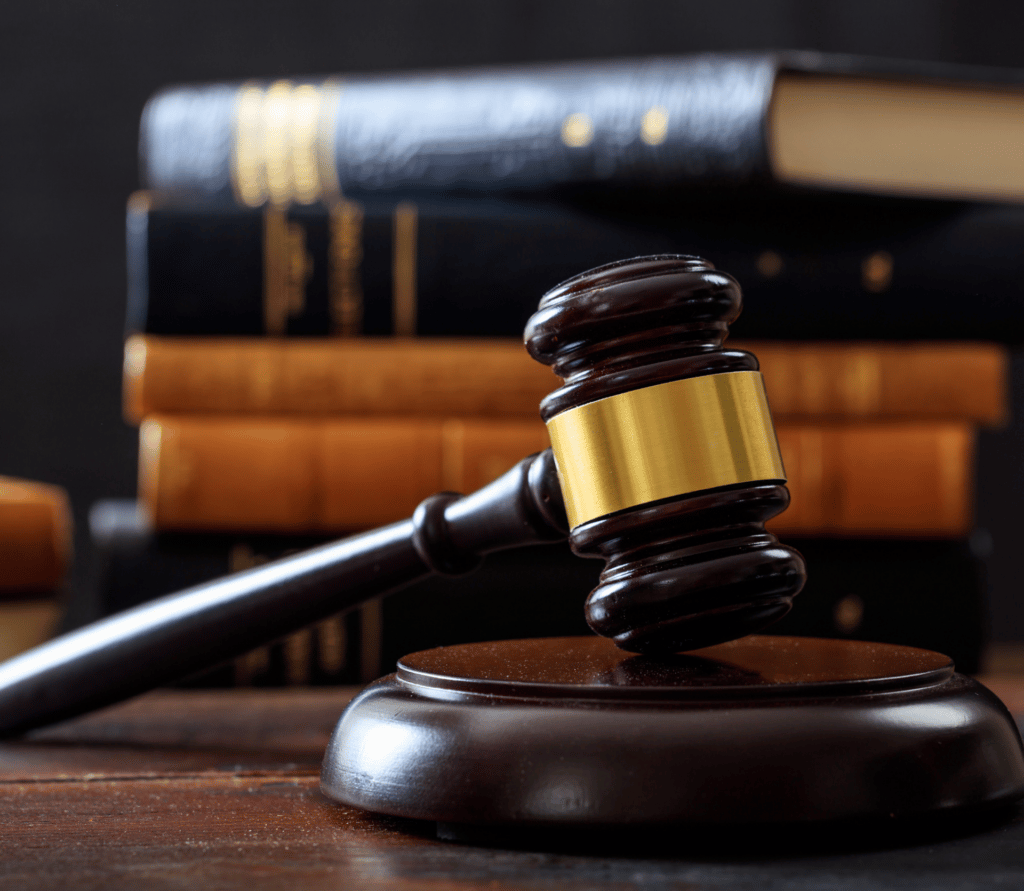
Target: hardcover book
<point>300,475</point>
<point>813,268</point>
<point>796,118</point>
<point>132,564</point>
<point>35,535</point>
<point>35,553</point>
<point>927,593</point>
<point>496,378</point>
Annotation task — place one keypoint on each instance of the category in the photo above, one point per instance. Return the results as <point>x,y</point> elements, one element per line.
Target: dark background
<point>76,76</point>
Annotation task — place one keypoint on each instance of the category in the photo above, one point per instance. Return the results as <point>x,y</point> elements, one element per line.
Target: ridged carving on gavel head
<point>666,454</point>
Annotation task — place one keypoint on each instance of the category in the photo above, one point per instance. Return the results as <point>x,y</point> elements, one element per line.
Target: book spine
<point>649,121</point>
<point>861,588</point>
<point>841,268</point>
<point>35,535</point>
<point>266,474</point>
<point>884,381</point>
<point>868,589</point>
<point>363,376</point>
<point>133,564</point>
<point>878,480</point>
<point>876,589</point>
<point>496,378</point>
<point>323,476</point>
<point>26,622</point>
<point>376,267</point>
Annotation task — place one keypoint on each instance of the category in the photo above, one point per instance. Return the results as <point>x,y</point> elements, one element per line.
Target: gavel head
<point>666,454</point>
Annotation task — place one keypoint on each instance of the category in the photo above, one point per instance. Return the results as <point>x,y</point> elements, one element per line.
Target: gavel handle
<point>182,633</point>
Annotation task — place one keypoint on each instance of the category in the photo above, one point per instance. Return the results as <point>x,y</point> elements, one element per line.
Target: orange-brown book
<point>288,475</point>
<point>331,475</point>
<point>35,535</point>
<point>373,376</point>
<point>912,479</point>
<point>496,378</point>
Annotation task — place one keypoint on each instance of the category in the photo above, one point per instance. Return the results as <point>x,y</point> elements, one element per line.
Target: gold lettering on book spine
<point>344,267</point>
<point>403,270</point>
<point>284,142</point>
<point>666,440</point>
<point>277,144</point>
<point>248,171</point>
<point>304,184</point>
<point>325,145</point>
<point>287,267</point>
<point>331,644</point>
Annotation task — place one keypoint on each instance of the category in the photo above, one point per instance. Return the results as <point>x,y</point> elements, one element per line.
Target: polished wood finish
<point>187,789</point>
<point>689,571</point>
<point>765,730</point>
<point>753,669</point>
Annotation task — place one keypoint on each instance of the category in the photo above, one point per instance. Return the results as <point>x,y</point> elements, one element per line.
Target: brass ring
<point>668,439</point>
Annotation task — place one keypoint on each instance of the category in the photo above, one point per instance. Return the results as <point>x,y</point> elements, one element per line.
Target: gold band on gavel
<point>665,440</point>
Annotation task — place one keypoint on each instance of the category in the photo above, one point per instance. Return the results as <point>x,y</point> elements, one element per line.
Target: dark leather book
<point>796,118</point>
<point>130,564</point>
<point>814,267</point>
<point>922,592</point>
<point>929,593</point>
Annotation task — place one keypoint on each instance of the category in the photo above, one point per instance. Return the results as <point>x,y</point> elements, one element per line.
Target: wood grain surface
<point>219,790</point>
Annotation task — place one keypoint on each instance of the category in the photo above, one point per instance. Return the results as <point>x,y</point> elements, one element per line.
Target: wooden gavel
<point>664,462</point>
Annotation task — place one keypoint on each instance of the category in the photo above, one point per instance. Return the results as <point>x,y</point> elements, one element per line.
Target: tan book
<point>35,535</point>
<point>912,479</point>
<point>26,623</point>
<point>885,381</point>
<point>303,475</point>
<point>373,376</point>
<point>497,378</point>
<point>333,475</point>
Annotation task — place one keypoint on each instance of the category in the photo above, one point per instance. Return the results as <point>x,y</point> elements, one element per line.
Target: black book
<point>130,565</point>
<point>920,593</point>
<point>812,267</point>
<point>529,592</point>
<point>929,593</point>
<point>794,118</point>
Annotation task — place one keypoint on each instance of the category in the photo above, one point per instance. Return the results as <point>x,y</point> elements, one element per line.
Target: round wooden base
<point>764,730</point>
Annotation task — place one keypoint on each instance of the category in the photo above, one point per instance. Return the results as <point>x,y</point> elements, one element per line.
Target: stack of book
<point>326,280</point>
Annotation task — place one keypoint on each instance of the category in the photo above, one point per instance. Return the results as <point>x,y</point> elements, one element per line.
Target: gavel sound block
<point>664,463</point>
<point>669,467</point>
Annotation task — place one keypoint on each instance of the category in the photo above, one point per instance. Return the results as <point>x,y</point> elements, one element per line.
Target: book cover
<point>812,268</point>
<point>132,564</point>
<point>35,554</point>
<point>923,593</point>
<point>135,563</point>
<point>927,593</point>
<point>802,118</point>
<point>430,377</point>
<point>301,475</point>
<point>35,535</point>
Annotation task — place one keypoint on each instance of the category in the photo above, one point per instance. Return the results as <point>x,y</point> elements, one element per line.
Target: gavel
<point>664,462</point>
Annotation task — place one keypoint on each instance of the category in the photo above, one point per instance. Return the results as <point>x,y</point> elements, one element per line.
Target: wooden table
<point>219,790</point>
